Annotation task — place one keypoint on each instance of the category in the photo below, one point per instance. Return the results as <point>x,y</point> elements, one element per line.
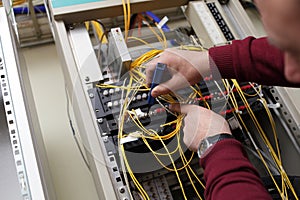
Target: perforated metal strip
<point>12,127</point>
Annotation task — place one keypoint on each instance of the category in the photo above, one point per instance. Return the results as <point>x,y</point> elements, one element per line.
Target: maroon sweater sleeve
<point>252,60</point>
<point>229,174</point>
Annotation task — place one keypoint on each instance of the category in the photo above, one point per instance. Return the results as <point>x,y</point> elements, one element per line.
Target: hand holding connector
<point>158,75</point>
<point>186,68</point>
<point>200,123</point>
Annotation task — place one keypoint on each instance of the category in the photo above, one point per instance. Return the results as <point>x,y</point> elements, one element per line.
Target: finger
<point>165,88</point>
<point>160,90</point>
<point>190,139</point>
<point>186,108</point>
<point>175,107</point>
<point>150,66</point>
<point>176,82</point>
<point>182,108</point>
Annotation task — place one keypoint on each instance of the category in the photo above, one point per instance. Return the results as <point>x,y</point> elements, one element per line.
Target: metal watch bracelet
<point>208,142</point>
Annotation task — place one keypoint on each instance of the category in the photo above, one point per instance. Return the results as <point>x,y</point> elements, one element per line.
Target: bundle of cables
<point>136,83</point>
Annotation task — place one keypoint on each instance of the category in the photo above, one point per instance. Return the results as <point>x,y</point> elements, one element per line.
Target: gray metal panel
<point>289,116</point>
<point>85,118</point>
<point>239,19</point>
<point>25,143</point>
<point>36,133</point>
<point>86,60</point>
<point>9,183</point>
<point>204,24</point>
<point>107,8</point>
<point>206,27</point>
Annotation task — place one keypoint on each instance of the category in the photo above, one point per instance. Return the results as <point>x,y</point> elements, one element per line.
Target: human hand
<point>186,67</point>
<point>200,123</point>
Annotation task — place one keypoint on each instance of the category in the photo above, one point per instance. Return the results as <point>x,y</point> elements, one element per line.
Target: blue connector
<point>156,80</point>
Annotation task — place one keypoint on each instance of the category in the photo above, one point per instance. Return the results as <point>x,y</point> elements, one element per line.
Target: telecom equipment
<point>112,111</point>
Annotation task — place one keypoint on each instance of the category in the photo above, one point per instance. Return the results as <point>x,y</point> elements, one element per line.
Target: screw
<point>91,95</point>
<point>105,139</point>
<point>87,79</point>
<point>100,120</point>
<point>71,27</point>
<point>122,190</point>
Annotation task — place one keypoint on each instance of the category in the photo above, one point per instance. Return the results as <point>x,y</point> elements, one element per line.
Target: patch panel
<point>107,104</point>
<point>220,21</point>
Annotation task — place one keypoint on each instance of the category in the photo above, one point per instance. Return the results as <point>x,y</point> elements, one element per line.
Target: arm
<point>227,171</point>
<point>252,60</point>
<point>229,174</point>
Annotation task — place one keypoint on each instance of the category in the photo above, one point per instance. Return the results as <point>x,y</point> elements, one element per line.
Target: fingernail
<point>171,106</point>
<point>154,93</point>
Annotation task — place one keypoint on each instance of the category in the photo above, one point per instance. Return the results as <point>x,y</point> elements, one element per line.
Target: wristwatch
<point>208,142</point>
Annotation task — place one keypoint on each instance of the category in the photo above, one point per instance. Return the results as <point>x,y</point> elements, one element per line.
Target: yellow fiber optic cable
<point>273,154</point>
<point>168,153</point>
<point>164,39</point>
<point>123,87</point>
<point>155,154</point>
<point>140,40</point>
<point>271,120</point>
<point>132,176</point>
<point>189,176</point>
<point>233,101</point>
<point>185,161</point>
<point>175,169</point>
<point>200,94</point>
<point>87,25</point>
<point>126,8</point>
<point>100,32</point>
<point>128,15</point>
<point>191,48</point>
<point>145,57</point>
<point>16,2</point>
<point>135,181</point>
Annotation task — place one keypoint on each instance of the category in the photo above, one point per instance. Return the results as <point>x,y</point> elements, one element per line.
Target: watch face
<point>208,142</point>
<point>203,147</point>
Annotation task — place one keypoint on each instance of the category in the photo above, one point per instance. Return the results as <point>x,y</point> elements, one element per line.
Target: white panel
<point>26,160</point>
<point>85,57</point>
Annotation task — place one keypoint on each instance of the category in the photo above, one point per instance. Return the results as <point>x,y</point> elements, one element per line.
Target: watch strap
<point>212,140</point>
